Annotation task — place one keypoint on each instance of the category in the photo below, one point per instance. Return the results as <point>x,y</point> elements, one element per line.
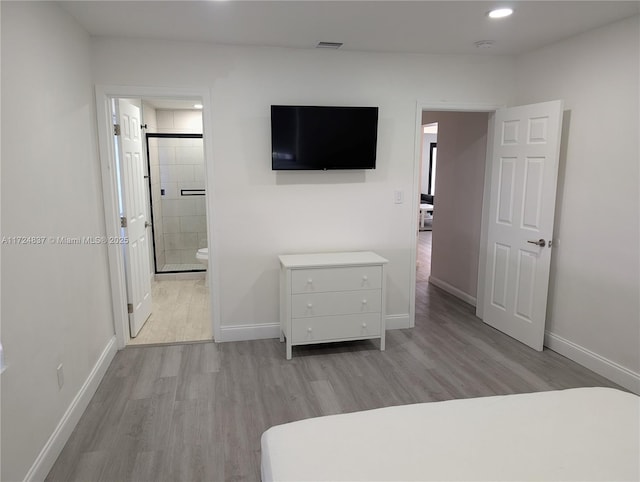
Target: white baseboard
<point>467,298</point>
<point>51,450</point>
<point>597,363</point>
<point>250,332</point>
<point>396,322</point>
<point>272,330</point>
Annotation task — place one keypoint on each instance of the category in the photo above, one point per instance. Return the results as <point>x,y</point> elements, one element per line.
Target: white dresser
<point>326,297</point>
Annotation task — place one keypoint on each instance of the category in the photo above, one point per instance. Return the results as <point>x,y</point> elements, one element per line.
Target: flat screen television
<point>321,137</point>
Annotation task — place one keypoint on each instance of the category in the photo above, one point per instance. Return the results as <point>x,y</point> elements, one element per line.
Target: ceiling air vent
<point>329,45</point>
<point>484,44</point>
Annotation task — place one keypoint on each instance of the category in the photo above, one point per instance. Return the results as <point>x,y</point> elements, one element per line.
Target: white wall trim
<point>249,332</point>
<point>417,162</point>
<point>447,106</point>
<point>398,322</point>
<point>597,363</point>
<point>52,449</point>
<point>272,330</point>
<point>466,297</point>
<point>484,224</point>
<point>111,211</point>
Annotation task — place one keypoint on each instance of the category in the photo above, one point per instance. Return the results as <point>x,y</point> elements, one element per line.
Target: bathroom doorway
<point>170,194</point>
<point>173,134</point>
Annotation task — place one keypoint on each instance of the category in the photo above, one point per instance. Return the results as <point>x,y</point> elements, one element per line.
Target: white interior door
<point>524,172</point>
<point>134,209</point>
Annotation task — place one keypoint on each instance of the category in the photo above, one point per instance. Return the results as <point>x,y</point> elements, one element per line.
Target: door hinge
<point>116,129</point>
<point>123,221</point>
<point>130,307</point>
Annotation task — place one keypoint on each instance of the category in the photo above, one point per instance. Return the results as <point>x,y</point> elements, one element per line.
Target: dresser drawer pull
<point>309,330</point>
<point>309,281</point>
<point>364,302</point>
<point>364,325</point>
<point>309,305</point>
<point>365,278</point>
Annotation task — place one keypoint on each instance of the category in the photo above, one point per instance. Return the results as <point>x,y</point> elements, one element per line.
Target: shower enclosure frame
<point>164,135</point>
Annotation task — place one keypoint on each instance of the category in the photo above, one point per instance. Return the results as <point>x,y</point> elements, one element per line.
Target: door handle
<point>541,242</point>
<point>147,224</point>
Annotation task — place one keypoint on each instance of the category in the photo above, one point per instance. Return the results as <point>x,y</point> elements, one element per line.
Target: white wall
<point>257,213</point>
<point>594,288</point>
<point>179,121</point>
<point>56,305</point>
<point>462,151</point>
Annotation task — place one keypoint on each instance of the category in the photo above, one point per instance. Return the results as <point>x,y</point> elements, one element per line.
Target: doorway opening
<point>160,188</point>
<point>454,148</point>
<point>427,200</point>
<point>490,247</point>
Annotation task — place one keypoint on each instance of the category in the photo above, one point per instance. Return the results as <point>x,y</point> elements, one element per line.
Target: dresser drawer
<point>306,305</point>
<point>316,280</point>
<point>327,328</point>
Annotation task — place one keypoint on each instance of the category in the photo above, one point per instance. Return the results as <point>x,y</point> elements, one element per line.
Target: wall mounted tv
<point>321,138</point>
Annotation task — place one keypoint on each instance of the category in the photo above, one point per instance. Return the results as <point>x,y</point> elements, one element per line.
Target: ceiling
<point>440,27</point>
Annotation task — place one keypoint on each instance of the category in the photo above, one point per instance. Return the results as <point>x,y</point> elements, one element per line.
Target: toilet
<point>203,257</point>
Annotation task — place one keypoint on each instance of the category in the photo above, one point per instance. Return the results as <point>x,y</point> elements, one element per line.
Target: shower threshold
<point>181,267</point>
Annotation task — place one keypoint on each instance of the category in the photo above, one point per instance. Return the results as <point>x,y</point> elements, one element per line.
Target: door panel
<point>525,285</point>
<point>533,184</point>
<point>507,182</point>
<point>137,266</point>
<point>500,276</point>
<point>524,167</point>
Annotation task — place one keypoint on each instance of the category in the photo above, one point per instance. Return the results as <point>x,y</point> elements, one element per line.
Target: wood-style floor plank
<point>196,412</point>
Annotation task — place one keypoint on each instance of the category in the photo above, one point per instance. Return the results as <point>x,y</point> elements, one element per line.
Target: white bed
<point>577,434</point>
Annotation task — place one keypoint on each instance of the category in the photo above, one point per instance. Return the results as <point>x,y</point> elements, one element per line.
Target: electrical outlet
<point>398,197</point>
<point>60,371</point>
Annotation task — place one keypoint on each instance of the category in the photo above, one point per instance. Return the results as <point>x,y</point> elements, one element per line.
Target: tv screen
<point>313,137</point>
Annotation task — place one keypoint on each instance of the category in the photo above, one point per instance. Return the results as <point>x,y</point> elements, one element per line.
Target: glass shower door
<point>176,164</point>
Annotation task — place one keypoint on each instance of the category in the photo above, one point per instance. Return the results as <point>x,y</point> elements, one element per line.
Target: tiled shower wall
<point>183,216</point>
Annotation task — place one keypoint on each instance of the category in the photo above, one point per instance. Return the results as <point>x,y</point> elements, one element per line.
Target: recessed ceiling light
<point>198,106</point>
<point>500,12</point>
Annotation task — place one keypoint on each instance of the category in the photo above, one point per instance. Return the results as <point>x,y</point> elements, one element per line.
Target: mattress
<point>576,434</point>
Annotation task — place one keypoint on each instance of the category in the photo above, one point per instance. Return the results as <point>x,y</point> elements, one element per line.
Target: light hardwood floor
<point>423,261</point>
<point>196,412</point>
<point>180,313</point>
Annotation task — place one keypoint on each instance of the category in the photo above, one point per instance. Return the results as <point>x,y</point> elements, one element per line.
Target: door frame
<point>104,95</point>
<point>428,105</point>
